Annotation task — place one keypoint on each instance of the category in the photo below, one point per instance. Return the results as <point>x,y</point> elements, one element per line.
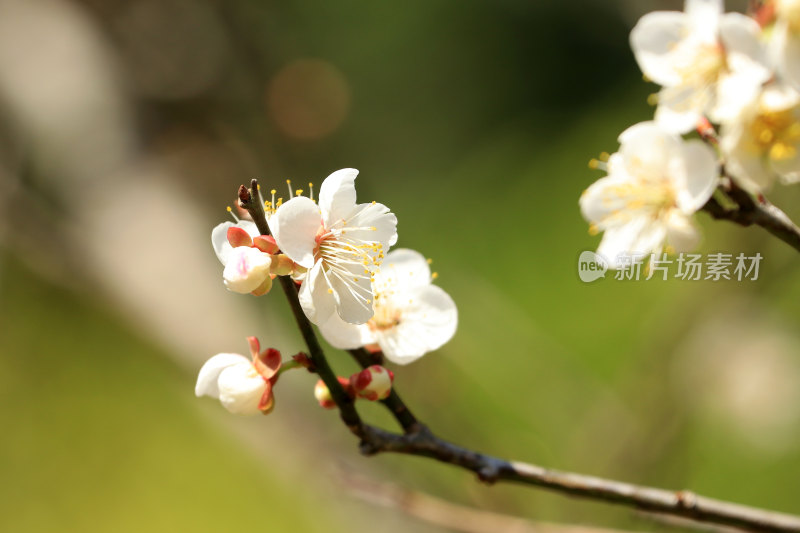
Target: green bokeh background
<point>474,122</point>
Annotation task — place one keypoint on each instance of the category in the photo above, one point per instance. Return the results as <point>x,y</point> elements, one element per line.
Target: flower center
<point>349,257</point>
<point>701,65</point>
<point>655,198</point>
<point>776,134</point>
<point>385,318</point>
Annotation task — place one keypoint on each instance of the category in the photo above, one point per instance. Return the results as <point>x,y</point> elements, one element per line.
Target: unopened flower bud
<point>323,394</point>
<point>243,386</point>
<point>372,383</point>
<point>247,269</point>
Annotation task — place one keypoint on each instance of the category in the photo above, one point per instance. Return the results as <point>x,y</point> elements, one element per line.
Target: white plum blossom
<point>764,142</point>
<point>412,316</point>
<point>242,385</point>
<point>341,243</point>
<point>785,42</point>
<point>654,184</point>
<point>706,61</point>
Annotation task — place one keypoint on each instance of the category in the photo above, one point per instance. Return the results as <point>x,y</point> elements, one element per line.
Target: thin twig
<point>419,440</point>
<point>748,211</point>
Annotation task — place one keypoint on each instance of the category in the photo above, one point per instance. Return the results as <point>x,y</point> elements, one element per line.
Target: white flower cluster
<point>738,72</point>
<point>356,290</point>
<point>351,286</point>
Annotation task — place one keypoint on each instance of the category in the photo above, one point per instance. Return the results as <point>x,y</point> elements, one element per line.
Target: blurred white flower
<point>340,242</point>
<point>785,41</point>
<point>654,184</point>
<point>412,316</point>
<point>706,61</point>
<point>243,386</point>
<point>764,141</point>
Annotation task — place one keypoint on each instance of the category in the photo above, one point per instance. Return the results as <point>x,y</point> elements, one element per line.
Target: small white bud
<point>246,269</point>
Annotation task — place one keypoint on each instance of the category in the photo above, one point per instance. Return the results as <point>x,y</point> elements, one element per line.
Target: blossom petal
<point>704,16</point>
<point>700,176</point>
<point>241,388</point>
<point>682,234</point>
<point>219,237</point>
<point>295,225</point>
<point>246,269</point>
<point>679,108</point>
<point>787,50</point>
<point>353,291</point>
<point>653,39</point>
<point>372,222</point>
<point>337,195</point>
<point>209,373</point>
<point>345,336</point>
<point>646,149</point>
<point>744,52</point>
<point>606,199</point>
<point>788,168</point>
<point>318,304</point>
<point>750,172</point>
<point>743,161</point>
<point>219,240</point>
<point>639,236</point>
<point>403,269</point>
<point>427,322</point>
<point>735,92</point>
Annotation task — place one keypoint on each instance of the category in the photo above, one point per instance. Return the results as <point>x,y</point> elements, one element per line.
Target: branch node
<point>488,474</point>
<point>686,499</point>
<point>368,448</point>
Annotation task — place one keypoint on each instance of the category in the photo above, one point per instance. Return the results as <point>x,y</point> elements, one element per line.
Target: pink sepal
<point>267,402</point>
<point>239,237</point>
<point>266,243</point>
<point>268,363</point>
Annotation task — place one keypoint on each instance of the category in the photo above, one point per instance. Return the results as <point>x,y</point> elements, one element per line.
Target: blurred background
<point>126,128</point>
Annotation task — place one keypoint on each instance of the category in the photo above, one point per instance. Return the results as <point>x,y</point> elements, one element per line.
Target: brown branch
<point>419,440</point>
<point>748,211</point>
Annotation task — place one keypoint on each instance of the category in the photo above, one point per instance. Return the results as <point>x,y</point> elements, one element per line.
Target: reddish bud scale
<point>304,360</point>
<point>372,383</point>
